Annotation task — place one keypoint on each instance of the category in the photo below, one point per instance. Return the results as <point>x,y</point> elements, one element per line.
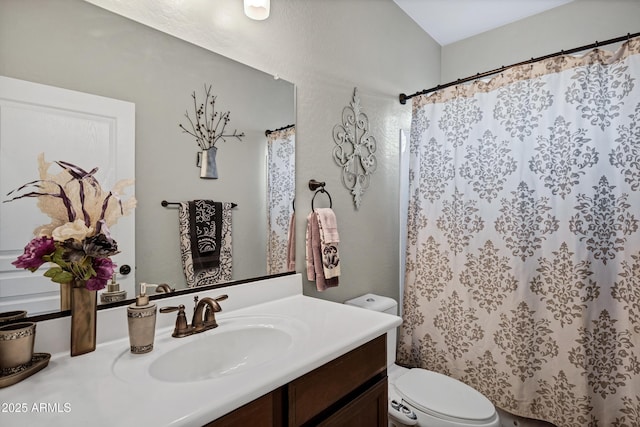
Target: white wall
<point>575,24</point>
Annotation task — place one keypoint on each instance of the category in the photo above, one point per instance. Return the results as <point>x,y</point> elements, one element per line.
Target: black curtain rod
<point>165,204</point>
<point>267,132</point>
<point>403,98</point>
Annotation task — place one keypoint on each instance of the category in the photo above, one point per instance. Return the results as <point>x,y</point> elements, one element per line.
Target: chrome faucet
<point>204,317</point>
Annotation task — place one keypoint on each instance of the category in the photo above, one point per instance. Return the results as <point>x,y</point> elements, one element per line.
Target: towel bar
<point>165,204</point>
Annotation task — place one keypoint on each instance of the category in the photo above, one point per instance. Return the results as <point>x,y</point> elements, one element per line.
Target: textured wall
<point>574,24</point>
<point>326,48</point>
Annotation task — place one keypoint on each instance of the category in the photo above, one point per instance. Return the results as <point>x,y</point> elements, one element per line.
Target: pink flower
<point>104,268</point>
<point>31,259</point>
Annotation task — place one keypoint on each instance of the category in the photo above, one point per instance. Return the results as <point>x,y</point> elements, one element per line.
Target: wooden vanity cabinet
<point>368,409</point>
<point>348,391</point>
<point>335,387</point>
<point>265,411</point>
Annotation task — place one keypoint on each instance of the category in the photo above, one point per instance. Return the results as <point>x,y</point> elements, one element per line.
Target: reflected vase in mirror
<point>7,316</point>
<point>65,296</point>
<point>207,163</point>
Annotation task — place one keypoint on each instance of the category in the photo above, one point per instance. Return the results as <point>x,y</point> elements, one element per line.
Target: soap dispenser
<point>113,292</point>
<point>141,317</point>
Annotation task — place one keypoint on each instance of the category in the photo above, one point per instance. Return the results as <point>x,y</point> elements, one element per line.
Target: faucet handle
<point>171,309</point>
<point>221,297</point>
<point>182,327</point>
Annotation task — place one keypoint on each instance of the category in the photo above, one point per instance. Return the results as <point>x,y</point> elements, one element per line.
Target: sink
<point>239,344</point>
<point>221,354</point>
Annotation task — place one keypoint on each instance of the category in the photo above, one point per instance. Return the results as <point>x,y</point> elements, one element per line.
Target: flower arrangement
<point>204,127</point>
<point>77,242</point>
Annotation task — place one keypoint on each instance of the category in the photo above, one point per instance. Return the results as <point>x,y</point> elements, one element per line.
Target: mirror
<point>78,46</point>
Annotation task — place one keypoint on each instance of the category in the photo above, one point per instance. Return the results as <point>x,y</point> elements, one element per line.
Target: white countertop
<point>84,390</point>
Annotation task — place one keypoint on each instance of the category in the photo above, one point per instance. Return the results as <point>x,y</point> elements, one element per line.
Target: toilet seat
<point>444,397</point>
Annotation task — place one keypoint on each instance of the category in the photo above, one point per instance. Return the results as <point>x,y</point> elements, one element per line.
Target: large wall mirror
<point>77,46</point>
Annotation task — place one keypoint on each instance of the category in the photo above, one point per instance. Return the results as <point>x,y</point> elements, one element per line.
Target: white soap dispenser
<point>141,317</point>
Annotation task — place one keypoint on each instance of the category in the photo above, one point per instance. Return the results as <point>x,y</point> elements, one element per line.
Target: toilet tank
<point>384,305</point>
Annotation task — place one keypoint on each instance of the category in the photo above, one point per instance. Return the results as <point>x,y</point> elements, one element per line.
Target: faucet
<point>203,316</point>
<point>164,288</point>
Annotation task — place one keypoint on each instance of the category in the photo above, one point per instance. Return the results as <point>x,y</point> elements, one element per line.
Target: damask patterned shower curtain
<point>280,195</point>
<point>523,254</point>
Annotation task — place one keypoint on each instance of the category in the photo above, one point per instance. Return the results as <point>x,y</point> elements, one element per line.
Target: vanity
<point>348,391</point>
<point>277,358</point>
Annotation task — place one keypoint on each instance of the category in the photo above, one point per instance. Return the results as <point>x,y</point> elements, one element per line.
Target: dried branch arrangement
<point>208,126</point>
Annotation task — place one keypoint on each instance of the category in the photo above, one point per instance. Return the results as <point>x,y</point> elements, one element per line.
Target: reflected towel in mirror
<point>291,244</point>
<point>205,227</point>
<point>199,267</point>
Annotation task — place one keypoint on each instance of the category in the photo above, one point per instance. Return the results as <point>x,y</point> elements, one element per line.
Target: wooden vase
<point>83,320</point>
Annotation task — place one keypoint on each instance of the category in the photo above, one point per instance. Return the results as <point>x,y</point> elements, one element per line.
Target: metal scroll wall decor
<point>355,149</point>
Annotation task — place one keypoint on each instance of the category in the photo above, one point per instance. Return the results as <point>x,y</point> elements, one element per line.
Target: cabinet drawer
<point>316,391</point>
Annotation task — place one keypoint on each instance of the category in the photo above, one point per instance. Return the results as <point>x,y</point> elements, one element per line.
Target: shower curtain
<point>523,253</point>
<point>280,199</point>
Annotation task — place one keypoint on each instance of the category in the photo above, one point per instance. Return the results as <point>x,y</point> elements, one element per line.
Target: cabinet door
<point>367,410</point>
<point>314,393</point>
<point>266,411</point>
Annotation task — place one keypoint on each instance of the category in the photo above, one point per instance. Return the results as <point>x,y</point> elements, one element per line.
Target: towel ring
<point>321,190</point>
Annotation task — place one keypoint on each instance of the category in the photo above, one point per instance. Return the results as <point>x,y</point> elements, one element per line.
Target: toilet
<point>418,397</point>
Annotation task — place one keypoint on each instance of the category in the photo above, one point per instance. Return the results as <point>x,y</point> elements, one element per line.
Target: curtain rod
<point>267,132</point>
<point>403,98</point>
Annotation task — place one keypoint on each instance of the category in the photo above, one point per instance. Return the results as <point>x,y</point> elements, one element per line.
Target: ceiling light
<point>257,9</point>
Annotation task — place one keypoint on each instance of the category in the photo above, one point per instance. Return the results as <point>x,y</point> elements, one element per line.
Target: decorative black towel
<point>194,274</point>
<point>205,220</point>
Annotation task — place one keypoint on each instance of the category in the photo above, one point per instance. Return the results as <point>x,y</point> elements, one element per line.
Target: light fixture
<point>257,9</point>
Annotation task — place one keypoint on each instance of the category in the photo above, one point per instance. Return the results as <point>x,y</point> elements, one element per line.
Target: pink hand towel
<point>315,268</point>
<point>329,224</point>
<point>329,239</point>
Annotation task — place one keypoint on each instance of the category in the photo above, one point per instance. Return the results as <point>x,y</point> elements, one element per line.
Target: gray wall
<point>326,48</point>
<point>574,24</point>
<point>78,46</point>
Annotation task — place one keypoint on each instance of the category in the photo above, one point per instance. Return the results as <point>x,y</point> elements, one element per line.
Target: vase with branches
<point>208,126</point>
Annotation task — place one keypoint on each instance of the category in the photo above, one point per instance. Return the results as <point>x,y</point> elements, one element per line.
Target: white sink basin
<point>238,344</point>
<point>221,354</point>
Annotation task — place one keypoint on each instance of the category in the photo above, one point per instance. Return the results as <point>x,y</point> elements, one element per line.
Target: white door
<point>80,128</point>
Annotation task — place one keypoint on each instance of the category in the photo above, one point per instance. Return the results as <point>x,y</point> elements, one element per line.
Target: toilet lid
<point>440,395</point>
